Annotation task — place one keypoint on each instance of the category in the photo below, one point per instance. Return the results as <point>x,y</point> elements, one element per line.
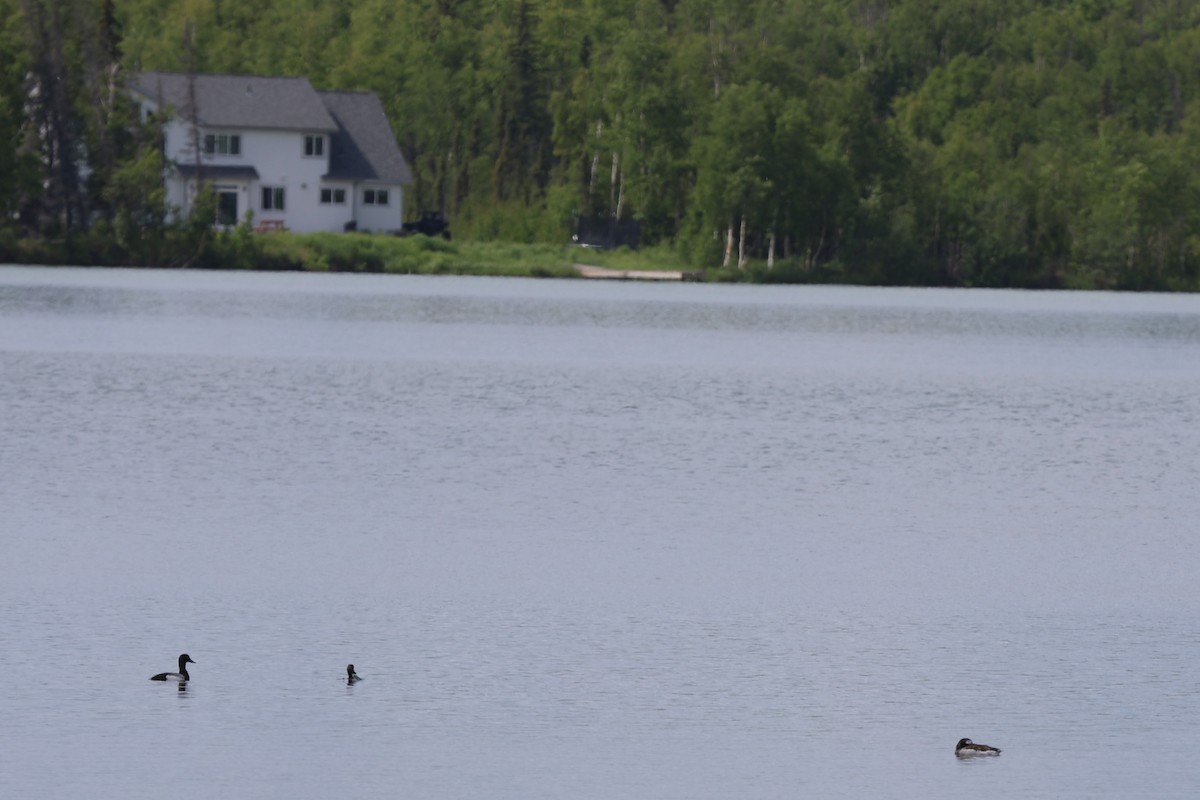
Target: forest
<point>1023,143</point>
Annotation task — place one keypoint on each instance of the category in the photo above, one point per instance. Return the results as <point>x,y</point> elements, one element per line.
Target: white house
<point>294,157</point>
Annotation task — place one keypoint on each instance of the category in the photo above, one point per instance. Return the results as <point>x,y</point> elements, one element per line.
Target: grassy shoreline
<point>242,249</point>
<point>421,255</point>
<point>410,255</point>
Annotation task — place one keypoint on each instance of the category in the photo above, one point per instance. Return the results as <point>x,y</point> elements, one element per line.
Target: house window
<point>272,198</point>
<point>222,144</point>
<point>375,197</point>
<point>333,196</point>
<point>314,146</point>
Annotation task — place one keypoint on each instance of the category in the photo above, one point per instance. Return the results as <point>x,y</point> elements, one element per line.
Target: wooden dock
<point>605,274</point>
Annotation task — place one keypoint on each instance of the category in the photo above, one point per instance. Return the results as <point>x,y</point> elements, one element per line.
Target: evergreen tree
<point>967,142</point>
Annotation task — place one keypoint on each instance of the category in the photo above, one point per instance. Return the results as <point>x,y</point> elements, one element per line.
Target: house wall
<point>376,217</point>
<point>279,158</point>
<point>178,197</point>
<point>336,215</point>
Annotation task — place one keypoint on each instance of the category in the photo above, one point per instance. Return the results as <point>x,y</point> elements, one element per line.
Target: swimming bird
<point>966,748</point>
<point>351,675</point>
<point>182,675</point>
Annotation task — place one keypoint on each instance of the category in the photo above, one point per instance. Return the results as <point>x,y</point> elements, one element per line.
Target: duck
<point>966,748</point>
<point>181,676</point>
<point>351,676</point>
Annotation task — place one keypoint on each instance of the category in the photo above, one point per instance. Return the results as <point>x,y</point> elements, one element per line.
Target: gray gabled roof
<point>363,147</point>
<point>239,101</point>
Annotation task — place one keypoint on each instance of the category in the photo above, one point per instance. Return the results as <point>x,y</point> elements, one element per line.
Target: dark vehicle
<point>430,223</point>
<point>605,232</point>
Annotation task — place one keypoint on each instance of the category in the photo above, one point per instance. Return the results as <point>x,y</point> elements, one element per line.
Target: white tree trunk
<point>742,245</point>
<point>595,159</point>
<point>621,195</point>
<point>612,181</point>
<point>728,246</point>
<point>771,252</point>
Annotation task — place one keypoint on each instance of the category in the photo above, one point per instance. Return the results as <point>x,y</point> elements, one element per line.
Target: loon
<point>966,748</point>
<point>351,676</point>
<point>182,675</point>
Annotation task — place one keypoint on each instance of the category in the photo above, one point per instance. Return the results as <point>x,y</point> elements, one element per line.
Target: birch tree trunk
<point>728,246</point>
<point>612,181</point>
<point>620,195</point>
<point>742,245</point>
<point>595,159</point>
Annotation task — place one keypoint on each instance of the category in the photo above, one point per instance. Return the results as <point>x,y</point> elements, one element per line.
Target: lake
<point>589,540</point>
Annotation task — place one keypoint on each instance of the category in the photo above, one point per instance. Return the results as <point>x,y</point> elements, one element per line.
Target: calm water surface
<point>594,540</point>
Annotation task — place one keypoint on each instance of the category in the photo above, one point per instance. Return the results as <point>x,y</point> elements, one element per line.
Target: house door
<point>227,206</point>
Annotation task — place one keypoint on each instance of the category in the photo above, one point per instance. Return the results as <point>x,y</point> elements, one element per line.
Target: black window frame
<point>336,196</point>
<point>222,144</point>
<point>376,197</point>
<point>273,198</point>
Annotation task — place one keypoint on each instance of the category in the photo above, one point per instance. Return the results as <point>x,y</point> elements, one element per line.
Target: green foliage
<point>361,252</point>
<point>136,193</point>
<point>17,170</point>
<point>958,142</point>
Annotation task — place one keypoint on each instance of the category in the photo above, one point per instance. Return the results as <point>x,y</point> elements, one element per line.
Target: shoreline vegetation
<point>962,143</point>
<point>240,248</point>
